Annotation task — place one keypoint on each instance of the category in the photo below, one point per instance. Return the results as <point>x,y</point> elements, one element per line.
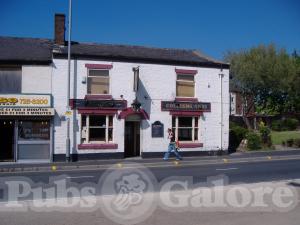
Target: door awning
<point>129,111</point>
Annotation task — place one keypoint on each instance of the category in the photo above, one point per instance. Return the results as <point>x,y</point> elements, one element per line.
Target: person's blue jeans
<point>172,148</point>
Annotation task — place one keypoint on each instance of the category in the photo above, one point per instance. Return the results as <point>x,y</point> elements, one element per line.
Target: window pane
<point>34,130</point>
<point>110,134</point>
<point>196,134</point>
<point>110,121</point>
<point>185,121</point>
<point>185,77</point>
<point>173,121</point>
<point>98,85</point>
<point>97,134</point>
<point>10,80</point>
<point>83,121</point>
<point>97,121</point>
<point>185,134</point>
<point>185,89</point>
<point>104,73</point>
<point>196,121</point>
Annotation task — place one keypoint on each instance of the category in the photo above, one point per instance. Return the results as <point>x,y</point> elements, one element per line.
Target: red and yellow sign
<point>11,100</point>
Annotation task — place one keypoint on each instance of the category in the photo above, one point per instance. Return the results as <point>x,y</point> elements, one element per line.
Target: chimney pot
<point>59,29</point>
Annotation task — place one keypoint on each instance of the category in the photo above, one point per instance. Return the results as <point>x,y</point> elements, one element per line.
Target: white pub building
<point>122,99</point>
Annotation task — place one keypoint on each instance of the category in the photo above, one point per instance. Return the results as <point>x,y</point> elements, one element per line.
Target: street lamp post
<point>68,147</point>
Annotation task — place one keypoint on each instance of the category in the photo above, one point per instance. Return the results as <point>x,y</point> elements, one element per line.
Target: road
<point>249,172</point>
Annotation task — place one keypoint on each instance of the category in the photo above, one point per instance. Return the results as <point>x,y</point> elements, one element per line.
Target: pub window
<point>98,81</point>
<point>96,129</point>
<point>185,128</point>
<point>185,85</point>
<point>10,80</point>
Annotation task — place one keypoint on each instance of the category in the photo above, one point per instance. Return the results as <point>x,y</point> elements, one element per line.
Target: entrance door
<point>132,138</point>
<point>7,128</point>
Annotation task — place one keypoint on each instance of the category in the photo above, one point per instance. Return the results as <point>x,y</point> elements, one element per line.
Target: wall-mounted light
<point>136,105</point>
<point>83,80</point>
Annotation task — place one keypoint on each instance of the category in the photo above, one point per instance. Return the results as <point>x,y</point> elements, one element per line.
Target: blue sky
<point>212,26</point>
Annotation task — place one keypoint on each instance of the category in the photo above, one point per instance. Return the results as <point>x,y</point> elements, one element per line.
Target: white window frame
<point>87,82</point>
<point>187,81</point>
<point>87,134</point>
<point>193,129</point>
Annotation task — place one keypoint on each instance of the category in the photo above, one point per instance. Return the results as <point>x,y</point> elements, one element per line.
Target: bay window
<point>98,81</point>
<point>96,129</point>
<point>185,128</point>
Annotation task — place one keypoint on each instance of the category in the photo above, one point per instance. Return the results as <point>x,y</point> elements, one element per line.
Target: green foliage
<point>265,133</point>
<point>284,125</point>
<point>297,142</point>
<point>236,135</point>
<point>253,141</point>
<point>290,142</point>
<point>270,74</point>
<point>277,125</point>
<point>290,124</point>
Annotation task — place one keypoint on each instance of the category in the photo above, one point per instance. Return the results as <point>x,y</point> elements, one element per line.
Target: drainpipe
<point>221,75</point>
<point>69,83</point>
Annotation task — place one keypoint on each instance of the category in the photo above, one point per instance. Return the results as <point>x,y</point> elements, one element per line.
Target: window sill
<point>98,146</point>
<point>186,99</point>
<point>190,145</point>
<point>98,97</point>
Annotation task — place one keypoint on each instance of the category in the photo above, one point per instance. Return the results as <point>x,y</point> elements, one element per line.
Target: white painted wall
<point>36,79</point>
<point>159,83</point>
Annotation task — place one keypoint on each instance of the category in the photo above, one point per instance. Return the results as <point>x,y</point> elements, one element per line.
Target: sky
<point>213,27</point>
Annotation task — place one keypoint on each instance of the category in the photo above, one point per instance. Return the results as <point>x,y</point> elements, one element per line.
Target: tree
<point>270,75</point>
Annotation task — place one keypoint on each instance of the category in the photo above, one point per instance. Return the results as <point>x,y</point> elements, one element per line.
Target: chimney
<point>59,29</point>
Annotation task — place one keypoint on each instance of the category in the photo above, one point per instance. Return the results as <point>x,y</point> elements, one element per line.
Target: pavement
<point>148,162</point>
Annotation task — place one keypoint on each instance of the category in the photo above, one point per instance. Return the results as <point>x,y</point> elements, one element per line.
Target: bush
<point>286,124</point>
<point>290,142</point>
<point>265,134</point>
<point>297,142</point>
<point>236,135</point>
<point>253,141</point>
<point>290,124</point>
<point>277,125</point>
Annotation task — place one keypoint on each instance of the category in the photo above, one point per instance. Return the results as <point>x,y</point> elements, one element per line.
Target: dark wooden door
<point>132,138</point>
<point>7,128</point>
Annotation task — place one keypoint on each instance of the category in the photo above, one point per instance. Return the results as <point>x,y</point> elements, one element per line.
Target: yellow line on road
<point>158,165</point>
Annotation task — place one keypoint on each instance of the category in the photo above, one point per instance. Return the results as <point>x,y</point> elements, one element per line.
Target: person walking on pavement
<point>171,147</point>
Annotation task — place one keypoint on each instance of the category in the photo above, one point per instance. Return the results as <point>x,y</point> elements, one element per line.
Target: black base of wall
<point>184,154</point>
<point>88,156</point>
<point>120,155</point>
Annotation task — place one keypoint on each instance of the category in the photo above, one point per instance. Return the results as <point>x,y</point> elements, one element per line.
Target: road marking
<point>176,163</point>
<point>80,177</point>
<point>233,168</point>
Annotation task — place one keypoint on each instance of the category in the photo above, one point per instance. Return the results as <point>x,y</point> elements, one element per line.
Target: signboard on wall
<point>106,104</point>
<point>185,106</point>
<point>26,111</point>
<point>14,100</point>
<point>157,129</point>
